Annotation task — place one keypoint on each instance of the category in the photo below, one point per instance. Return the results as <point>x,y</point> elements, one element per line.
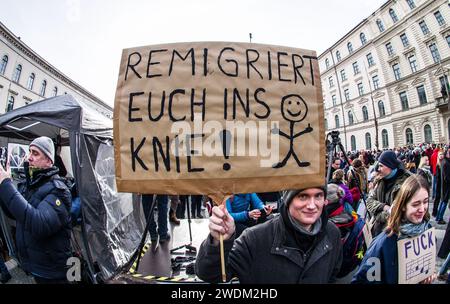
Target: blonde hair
<point>423,159</point>
<point>411,185</point>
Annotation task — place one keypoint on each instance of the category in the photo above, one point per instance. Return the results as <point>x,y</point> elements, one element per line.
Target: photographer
<point>41,208</point>
<point>247,210</point>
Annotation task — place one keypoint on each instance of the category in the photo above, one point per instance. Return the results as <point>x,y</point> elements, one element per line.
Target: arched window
<point>368,141</point>
<point>428,135</point>
<point>365,113</point>
<point>31,81</point>
<point>338,56</point>
<point>381,108</point>
<point>380,25</point>
<point>43,88</point>
<point>55,91</point>
<point>350,47</point>
<point>385,138</point>
<point>353,142</point>
<point>336,119</point>
<point>10,104</point>
<point>393,15</point>
<point>363,38</point>
<point>409,136</point>
<point>350,118</point>
<point>17,72</point>
<point>327,63</point>
<point>3,65</point>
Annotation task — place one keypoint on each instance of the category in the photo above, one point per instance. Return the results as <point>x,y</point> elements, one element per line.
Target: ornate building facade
<point>385,83</point>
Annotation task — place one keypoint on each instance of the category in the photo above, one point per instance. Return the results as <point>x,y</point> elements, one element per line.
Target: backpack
<point>353,247</point>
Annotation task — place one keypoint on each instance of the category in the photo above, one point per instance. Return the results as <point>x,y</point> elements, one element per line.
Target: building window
<point>350,47</point>
<point>422,94</point>
<point>343,76</point>
<point>30,81</point>
<point>411,4</point>
<point>363,38</point>
<point>390,49</point>
<point>347,95</point>
<point>404,39</point>
<point>393,15</point>
<point>327,63</point>
<point>3,65</point>
<point>381,108</point>
<point>409,136</point>
<point>439,18</point>
<point>43,87</point>
<point>434,52</point>
<point>17,72</point>
<point>404,101</point>
<point>338,56</point>
<point>355,68</point>
<point>330,81</point>
<point>375,82</point>
<point>370,60</point>
<point>336,120</point>
<point>360,89</point>
<point>365,113</point>
<point>428,134</point>
<point>55,91</point>
<point>448,40</point>
<point>412,63</point>
<point>424,27</point>
<point>326,124</point>
<point>368,141</point>
<point>385,138</point>
<point>350,118</point>
<point>353,142</point>
<point>445,88</point>
<point>396,69</point>
<point>380,25</point>
<point>333,99</point>
<point>10,105</point>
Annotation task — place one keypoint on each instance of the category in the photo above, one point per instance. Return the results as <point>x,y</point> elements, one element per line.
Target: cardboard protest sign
<point>417,257</point>
<point>218,117</point>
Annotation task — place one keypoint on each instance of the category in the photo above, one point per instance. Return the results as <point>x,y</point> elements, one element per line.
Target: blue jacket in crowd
<point>42,214</point>
<point>241,203</point>
<point>384,248</point>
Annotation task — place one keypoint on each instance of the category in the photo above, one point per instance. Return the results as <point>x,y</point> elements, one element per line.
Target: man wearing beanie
<point>41,208</point>
<point>391,176</point>
<point>297,246</point>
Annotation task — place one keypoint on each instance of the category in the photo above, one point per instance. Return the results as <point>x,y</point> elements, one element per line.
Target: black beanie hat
<point>389,159</point>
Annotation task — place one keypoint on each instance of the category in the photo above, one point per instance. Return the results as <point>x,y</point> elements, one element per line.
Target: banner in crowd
<point>417,257</point>
<point>218,117</point>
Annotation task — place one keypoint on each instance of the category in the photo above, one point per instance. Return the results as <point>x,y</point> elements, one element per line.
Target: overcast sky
<point>84,38</point>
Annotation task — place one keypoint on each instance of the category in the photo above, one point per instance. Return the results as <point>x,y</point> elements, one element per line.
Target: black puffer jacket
<point>42,214</point>
<point>268,254</point>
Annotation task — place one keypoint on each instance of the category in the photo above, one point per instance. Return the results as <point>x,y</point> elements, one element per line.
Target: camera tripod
<point>189,248</point>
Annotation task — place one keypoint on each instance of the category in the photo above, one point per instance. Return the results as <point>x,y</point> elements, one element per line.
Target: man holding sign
<point>406,251</point>
<point>299,246</point>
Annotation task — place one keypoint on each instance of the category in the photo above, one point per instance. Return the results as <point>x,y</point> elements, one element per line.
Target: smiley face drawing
<point>293,109</point>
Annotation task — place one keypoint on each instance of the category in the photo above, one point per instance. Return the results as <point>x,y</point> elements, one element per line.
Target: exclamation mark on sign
<point>225,138</point>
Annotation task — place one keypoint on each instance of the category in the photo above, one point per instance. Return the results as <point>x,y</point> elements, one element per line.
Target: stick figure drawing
<point>293,109</point>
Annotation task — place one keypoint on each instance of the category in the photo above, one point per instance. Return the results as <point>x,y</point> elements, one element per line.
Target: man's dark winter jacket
<point>267,254</point>
<point>42,213</point>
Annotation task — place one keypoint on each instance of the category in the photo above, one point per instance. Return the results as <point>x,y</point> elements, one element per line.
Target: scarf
<point>392,174</point>
<point>409,229</point>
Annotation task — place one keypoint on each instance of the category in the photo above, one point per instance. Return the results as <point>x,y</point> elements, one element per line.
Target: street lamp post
<point>375,120</point>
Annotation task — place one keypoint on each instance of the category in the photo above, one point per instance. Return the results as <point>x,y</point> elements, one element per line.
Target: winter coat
<point>444,180</point>
<point>260,256</point>
<point>433,160</point>
<point>239,205</point>
<point>384,248</point>
<point>347,198</point>
<point>42,214</point>
<point>380,196</point>
<point>361,174</point>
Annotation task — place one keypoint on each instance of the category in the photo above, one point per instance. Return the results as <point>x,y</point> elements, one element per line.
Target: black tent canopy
<point>112,224</point>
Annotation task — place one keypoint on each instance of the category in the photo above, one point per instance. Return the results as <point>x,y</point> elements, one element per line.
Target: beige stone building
<point>385,81</point>
<point>27,77</point>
